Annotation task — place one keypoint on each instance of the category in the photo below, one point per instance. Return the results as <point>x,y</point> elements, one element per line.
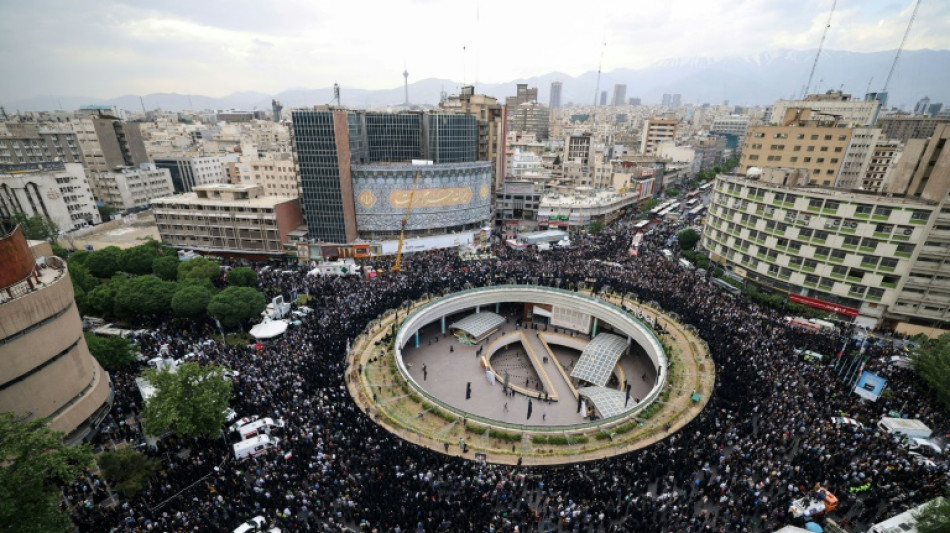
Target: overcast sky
<point>102,49</point>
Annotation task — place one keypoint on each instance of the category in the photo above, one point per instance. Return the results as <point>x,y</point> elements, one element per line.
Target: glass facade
<point>317,158</point>
<point>452,138</point>
<point>393,138</point>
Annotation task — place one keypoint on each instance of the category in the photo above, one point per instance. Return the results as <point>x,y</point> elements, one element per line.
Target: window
<point>875,293</point>
<point>814,138</point>
<point>888,262</point>
<point>882,211</point>
<point>810,149</point>
<point>842,137</point>
<point>839,270</point>
<point>820,160</point>
<point>827,137</point>
<point>797,148</point>
<point>920,214</point>
<point>800,136</point>
<point>837,149</point>
<point>907,249</point>
<point>851,240</point>
<point>832,204</point>
<point>883,228</point>
<point>793,159</point>
<point>839,254</point>
<point>811,263</point>
<point>754,157</point>
<point>805,233</point>
<point>807,160</point>
<point>863,209</point>
<point>815,203</point>
<point>824,148</point>
<point>826,283</point>
<point>823,251</point>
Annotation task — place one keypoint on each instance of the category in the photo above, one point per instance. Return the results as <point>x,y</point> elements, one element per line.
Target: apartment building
<point>818,149</point>
<point>58,191</point>
<point>274,172</point>
<point>229,219</point>
<point>655,131</point>
<point>834,105</point>
<point>38,143</point>
<point>491,119</point>
<point>904,128</point>
<point>191,170</point>
<point>129,188</point>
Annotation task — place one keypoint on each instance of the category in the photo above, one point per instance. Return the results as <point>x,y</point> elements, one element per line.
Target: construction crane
<point>397,266</point>
<point>821,45</point>
<point>901,47</point>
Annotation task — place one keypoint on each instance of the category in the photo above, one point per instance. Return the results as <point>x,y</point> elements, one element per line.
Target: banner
<point>823,305</point>
<point>869,386</point>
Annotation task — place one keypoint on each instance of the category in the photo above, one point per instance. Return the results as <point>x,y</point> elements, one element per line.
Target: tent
<point>269,329</point>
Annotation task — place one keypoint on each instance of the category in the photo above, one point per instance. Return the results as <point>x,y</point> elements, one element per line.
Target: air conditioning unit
<point>908,231</point>
<point>851,224</point>
<point>834,222</point>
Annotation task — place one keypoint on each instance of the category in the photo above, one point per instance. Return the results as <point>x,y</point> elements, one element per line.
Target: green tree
<point>104,263</point>
<point>128,470</point>
<point>672,192</point>
<point>649,205</point>
<point>35,464</point>
<point>60,252</point>
<point>138,259</point>
<point>557,160</point>
<point>191,301</point>
<point>199,267</point>
<point>931,362</point>
<point>189,402</point>
<point>106,211</point>
<point>596,227</point>
<point>36,227</point>
<point>935,518</point>
<point>79,257</point>
<point>242,277</point>
<point>113,353</point>
<point>80,276</point>
<point>235,304</point>
<point>144,295</point>
<point>166,267</point>
<point>688,238</point>
<point>101,299</point>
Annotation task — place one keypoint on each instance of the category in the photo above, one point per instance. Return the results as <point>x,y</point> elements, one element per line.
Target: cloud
<point>104,48</point>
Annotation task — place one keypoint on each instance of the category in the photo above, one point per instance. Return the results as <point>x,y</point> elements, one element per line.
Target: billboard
<point>869,386</point>
<point>823,305</point>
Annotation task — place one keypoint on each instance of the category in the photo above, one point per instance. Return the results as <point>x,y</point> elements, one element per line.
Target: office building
<point>834,106</point>
<point>654,132</point>
<point>634,101</point>
<point>676,100</point>
<point>47,371</point>
<point>922,107</point>
<point>603,98</point>
<point>38,143</point>
<point>667,100</point>
<point>228,219</point>
<point>108,143</point>
<point>491,119</point>
<point>129,188</point>
<point>620,94</point>
<point>57,191</point>
<point>356,175</point>
<point>516,205</point>
<point>526,115</point>
<point>523,95</point>
<point>555,102</point>
<point>191,170</point>
<point>904,128</point>
<point>732,126</point>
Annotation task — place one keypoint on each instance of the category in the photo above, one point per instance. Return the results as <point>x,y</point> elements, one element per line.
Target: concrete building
<point>904,128</point>
<point>655,131</point>
<point>47,369</point>
<point>191,170</point>
<point>834,105</point>
<point>734,125</point>
<point>491,117</point>
<point>517,204</point>
<point>620,94</point>
<point>129,188</point>
<point>603,98</point>
<point>108,143</point>
<point>38,143</point>
<point>228,219</point>
<point>634,101</point>
<point>334,147</point>
<point>922,107</point>
<point>576,212</point>
<point>274,172</point>
<point>839,251</point>
<point>880,168</point>
<point>526,115</point>
<point>524,163</point>
<point>555,101</point>
<point>58,191</point>
<point>818,149</point>
<point>857,157</point>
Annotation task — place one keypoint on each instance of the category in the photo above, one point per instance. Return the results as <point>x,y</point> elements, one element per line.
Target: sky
<point>104,49</point>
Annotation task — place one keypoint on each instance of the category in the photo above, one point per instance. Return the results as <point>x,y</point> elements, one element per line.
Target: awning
<point>269,329</point>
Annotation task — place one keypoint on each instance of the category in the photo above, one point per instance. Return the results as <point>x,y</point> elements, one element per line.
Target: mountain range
<point>759,79</point>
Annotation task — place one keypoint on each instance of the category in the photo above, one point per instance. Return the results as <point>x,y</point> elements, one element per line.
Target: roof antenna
<point>821,44</point>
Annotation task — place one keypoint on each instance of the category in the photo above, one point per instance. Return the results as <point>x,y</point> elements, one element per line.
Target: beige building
<point>832,105</point>
<point>804,145</point>
<point>129,188</point>
<point>655,131</point>
<point>904,128</point>
<point>228,219</point>
<point>47,370</point>
<point>38,143</point>
<point>274,172</point>
<point>491,127</point>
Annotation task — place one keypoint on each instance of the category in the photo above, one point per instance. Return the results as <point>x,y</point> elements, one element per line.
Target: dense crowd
<point>763,440</point>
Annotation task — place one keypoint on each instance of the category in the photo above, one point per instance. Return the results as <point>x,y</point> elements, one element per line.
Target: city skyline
<point>104,49</point>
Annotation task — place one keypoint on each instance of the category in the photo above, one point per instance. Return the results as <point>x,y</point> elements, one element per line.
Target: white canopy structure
<point>268,329</point>
<point>609,402</point>
<point>599,358</point>
<point>479,325</point>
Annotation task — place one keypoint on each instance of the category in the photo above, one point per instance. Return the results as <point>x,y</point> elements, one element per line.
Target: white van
<point>910,428</point>
<point>686,264</point>
<point>259,427</point>
<point>255,446</point>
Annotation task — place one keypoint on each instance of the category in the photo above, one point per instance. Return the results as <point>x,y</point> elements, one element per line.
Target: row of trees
<point>150,280</point>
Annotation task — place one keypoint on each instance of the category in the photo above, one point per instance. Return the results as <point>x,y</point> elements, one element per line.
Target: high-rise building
<point>634,101</point>
<point>57,191</point>
<point>834,105</point>
<point>676,100</point>
<point>656,131</point>
<point>39,143</point>
<point>620,94</point>
<point>190,170</point>
<point>731,125</point>
<point>555,102</point>
<point>526,115</point>
<point>922,107</point>
<point>356,178</point>
<point>904,128</point>
<point>492,119</point>
<point>934,109</point>
<point>603,98</point>
<point>667,100</point>
<point>48,372</point>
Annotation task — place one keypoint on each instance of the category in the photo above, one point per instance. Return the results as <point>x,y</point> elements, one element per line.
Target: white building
<point>133,187</point>
<point>191,170</point>
<point>848,112</point>
<point>523,163</point>
<point>656,131</point>
<point>58,191</point>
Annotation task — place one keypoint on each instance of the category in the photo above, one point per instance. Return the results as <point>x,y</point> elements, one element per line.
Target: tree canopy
<point>113,353</point>
<point>144,295</point>
<point>128,470</point>
<point>138,259</point>
<point>35,463</point>
<point>935,518</point>
<point>103,263</point>
<point>649,205</point>
<point>36,227</point>
<point>199,267</point>
<point>688,238</point>
<point>931,362</point>
<point>191,301</point>
<point>166,267</point>
<point>242,277</point>
<point>235,304</point>
<point>190,401</point>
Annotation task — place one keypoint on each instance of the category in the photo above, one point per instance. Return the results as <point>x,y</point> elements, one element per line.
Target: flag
<point>840,353</point>
<point>288,455</point>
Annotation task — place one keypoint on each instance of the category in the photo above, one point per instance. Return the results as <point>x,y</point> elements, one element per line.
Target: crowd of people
<point>764,439</point>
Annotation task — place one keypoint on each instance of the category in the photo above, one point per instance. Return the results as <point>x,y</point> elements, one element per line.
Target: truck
<point>254,446</point>
<point>259,427</point>
<point>343,267</point>
<point>908,427</point>
<point>817,502</point>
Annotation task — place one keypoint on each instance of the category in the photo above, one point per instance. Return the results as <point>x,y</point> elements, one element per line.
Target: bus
<point>696,211</point>
<point>706,186</point>
<point>641,226</point>
<point>692,202</point>
<point>656,210</point>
